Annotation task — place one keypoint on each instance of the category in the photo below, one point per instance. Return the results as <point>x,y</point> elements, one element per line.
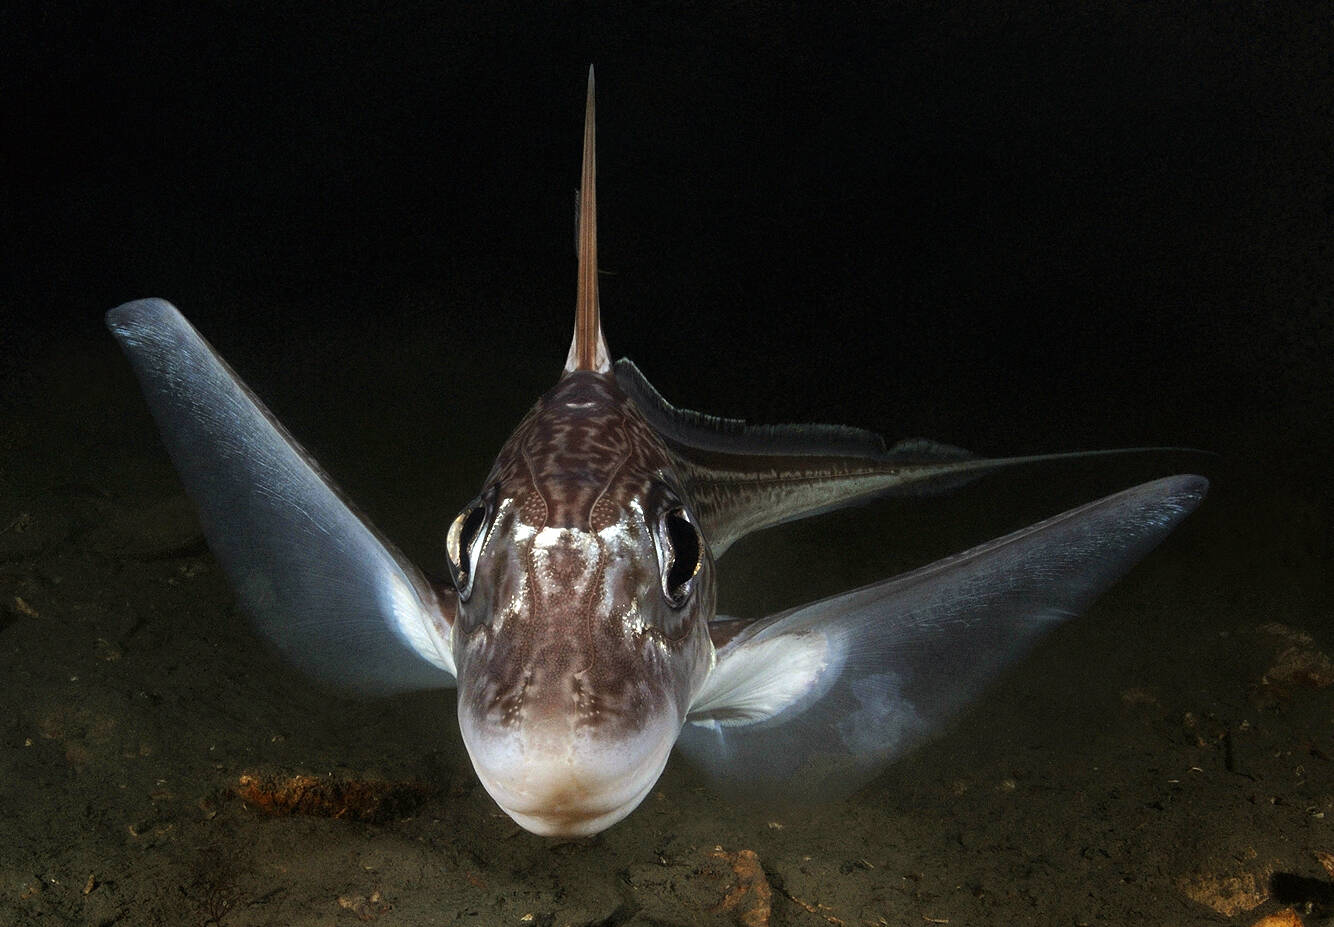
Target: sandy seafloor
<point>1138,753</point>
<point>1167,758</point>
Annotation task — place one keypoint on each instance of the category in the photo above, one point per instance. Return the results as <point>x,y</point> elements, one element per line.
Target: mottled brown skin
<point>567,637</point>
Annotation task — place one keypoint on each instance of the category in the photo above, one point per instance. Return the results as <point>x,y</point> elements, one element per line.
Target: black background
<point>1015,227</point>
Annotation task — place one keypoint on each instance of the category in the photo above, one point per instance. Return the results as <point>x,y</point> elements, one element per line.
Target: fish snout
<point>558,779</point>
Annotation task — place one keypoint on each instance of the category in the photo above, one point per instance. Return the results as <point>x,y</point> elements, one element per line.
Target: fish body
<point>579,623</point>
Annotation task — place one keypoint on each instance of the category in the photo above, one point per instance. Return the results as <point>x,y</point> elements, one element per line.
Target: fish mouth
<point>560,781</point>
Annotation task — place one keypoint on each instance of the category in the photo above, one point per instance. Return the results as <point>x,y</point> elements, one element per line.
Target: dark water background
<point>1016,229</point>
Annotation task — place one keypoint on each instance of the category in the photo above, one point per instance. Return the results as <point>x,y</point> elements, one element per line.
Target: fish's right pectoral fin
<point>319,581</point>
<point>813,702</point>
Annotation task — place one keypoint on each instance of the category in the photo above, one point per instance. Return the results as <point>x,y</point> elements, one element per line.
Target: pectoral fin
<point>816,700</point>
<point>319,581</point>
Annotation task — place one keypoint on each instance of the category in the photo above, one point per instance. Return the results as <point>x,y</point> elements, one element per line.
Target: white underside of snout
<point>559,780</point>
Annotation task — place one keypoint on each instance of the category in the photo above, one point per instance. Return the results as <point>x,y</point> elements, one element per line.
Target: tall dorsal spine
<point>588,349</point>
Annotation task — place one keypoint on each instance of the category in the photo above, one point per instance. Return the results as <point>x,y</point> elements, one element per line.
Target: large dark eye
<point>680,553</point>
<point>464,543</point>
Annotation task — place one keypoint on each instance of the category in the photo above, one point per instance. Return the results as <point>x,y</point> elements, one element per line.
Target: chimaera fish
<point>578,618</point>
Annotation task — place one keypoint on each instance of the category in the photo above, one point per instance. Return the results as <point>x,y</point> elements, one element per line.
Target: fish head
<point>585,591</point>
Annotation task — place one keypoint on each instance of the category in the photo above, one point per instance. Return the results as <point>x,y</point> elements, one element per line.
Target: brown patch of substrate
<point>374,801</point>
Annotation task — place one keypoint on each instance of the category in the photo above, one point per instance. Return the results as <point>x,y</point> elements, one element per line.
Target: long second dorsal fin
<point>588,349</point>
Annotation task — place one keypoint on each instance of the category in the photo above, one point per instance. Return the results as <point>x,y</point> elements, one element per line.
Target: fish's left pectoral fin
<point>334,596</point>
<point>813,702</point>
